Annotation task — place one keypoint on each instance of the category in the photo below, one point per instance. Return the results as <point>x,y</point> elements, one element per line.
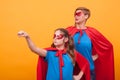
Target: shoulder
<point>92,31</point>
<point>97,36</point>
<point>70,28</point>
<point>91,28</point>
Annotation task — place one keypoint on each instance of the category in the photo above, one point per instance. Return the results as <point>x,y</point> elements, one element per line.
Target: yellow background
<point>40,18</point>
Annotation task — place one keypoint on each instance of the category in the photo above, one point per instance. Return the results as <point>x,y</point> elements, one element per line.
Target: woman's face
<point>59,38</point>
<point>79,16</point>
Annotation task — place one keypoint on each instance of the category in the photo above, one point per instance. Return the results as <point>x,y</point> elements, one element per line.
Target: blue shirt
<point>84,47</point>
<point>53,72</point>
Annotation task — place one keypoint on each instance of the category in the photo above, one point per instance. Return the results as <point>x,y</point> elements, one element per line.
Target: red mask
<point>60,36</point>
<point>78,14</point>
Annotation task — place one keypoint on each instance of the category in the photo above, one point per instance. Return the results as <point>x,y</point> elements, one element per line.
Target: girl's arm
<point>83,64</point>
<point>79,76</point>
<point>31,45</point>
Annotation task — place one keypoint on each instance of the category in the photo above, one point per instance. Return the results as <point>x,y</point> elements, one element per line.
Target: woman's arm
<point>95,57</point>
<point>31,45</point>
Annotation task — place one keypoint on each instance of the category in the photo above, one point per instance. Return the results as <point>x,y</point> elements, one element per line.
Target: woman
<point>93,46</point>
<point>59,59</point>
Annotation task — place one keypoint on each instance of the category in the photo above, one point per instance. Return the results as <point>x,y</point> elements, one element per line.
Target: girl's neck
<point>60,47</point>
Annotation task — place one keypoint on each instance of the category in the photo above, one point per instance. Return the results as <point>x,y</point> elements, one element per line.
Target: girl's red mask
<point>60,36</point>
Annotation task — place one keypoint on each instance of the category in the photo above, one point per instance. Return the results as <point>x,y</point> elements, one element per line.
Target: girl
<point>60,58</point>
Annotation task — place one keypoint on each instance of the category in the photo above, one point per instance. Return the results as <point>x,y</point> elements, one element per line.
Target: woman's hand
<point>95,57</point>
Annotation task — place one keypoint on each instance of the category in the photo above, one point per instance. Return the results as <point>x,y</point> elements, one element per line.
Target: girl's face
<point>79,16</point>
<point>59,38</point>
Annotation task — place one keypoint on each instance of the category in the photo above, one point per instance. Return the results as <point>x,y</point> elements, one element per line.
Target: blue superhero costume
<point>62,63</point>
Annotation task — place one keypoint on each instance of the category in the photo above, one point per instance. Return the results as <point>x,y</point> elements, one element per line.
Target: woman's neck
<point>80,26</point>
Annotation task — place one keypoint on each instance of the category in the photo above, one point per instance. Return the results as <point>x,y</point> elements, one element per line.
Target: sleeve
<point>47,56</point>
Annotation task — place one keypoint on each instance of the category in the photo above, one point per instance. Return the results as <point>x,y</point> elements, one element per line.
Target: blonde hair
<point>85,10</point>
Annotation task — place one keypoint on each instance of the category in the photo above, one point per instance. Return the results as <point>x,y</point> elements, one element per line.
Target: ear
<point>86,16</point>
<point>65,39</point>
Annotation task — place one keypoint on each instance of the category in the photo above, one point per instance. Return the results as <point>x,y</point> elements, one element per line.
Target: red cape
<point>104,65</point>
<point>81,64</point>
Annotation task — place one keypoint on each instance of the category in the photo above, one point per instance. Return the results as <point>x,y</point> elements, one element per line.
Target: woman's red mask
<point>78,14</point>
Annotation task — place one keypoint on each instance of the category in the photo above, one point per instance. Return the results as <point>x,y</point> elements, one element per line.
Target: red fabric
<point>82,65</point>
<point>104,65</point>
<point>59,54</point>
<point>80,60</point>
<point>80,35</point>
<point>41,69</point>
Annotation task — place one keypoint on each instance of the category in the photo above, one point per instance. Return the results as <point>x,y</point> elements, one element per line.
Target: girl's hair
<point>85,10</point>
<point>69,44</point>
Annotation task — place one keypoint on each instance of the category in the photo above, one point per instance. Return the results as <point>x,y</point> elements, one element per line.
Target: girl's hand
<point>23,34</point>
<point>75,77</point>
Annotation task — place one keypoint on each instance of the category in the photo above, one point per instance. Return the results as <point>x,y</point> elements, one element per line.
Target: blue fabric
<point>93,76</point>
<point>53,72</point>
<point>84,47</point>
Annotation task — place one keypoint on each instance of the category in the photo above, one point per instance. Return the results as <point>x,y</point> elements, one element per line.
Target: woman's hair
<point>69,44</point>
<point>85,10</point>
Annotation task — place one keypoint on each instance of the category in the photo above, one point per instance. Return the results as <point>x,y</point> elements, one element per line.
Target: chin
<point>77,22</point>
<point>55,44</point>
